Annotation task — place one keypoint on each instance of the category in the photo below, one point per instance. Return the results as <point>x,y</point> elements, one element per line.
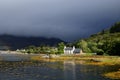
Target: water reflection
<point>69,70</point>
<point>73,71</point>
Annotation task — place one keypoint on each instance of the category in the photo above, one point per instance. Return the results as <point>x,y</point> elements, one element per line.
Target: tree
<point>115,28</point>
<point>84,46</point>
<point>112,48</point>
<point>60,48</point>
<point>53,51</point>
<point>31,49</point>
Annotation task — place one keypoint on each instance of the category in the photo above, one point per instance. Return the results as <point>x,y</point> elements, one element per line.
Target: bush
<point>100,52</point>
<point>115,28</point>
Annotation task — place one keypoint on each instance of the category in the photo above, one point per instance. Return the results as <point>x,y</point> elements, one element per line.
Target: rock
<point>95,60</point>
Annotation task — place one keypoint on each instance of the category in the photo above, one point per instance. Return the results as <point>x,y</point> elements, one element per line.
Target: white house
<point>72,50</point>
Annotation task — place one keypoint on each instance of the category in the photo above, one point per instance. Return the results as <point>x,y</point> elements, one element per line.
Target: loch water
<point>14,68</point>
<point>66,70</point>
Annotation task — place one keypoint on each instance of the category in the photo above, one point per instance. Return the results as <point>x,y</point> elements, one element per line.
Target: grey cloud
<point>65,19</point>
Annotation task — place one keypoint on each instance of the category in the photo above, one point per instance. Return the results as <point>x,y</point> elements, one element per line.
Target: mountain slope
<point>17,42</point>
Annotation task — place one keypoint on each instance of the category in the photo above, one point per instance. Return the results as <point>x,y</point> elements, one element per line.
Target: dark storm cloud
<point>66,19</point>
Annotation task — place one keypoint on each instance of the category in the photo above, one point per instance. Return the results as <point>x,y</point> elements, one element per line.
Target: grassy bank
<point>98,60</point>
<point>113,75</point>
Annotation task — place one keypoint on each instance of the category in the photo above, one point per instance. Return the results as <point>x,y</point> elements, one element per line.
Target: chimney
<point>73,47</point>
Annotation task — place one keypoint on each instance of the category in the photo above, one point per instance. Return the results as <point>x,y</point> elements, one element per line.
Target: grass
<point>90,59</point>
<point>105,60</point>
<point>113,75</point>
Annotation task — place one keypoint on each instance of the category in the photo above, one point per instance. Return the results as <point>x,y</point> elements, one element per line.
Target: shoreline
<point>90,60</point>
<point>80,59</point>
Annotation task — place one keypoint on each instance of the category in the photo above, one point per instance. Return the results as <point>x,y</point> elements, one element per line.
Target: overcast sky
<point>65,19</point>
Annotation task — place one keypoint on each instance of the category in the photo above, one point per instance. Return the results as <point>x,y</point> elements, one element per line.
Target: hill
<point>104,42</point>
<point>17,42</point>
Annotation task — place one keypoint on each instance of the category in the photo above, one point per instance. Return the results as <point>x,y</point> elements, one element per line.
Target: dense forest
<point>106,42</point>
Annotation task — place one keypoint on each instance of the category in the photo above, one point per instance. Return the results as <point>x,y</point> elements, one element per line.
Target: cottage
<point>72,50</point>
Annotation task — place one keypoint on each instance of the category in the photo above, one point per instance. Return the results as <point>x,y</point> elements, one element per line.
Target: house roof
<point>68,48</point>
<point>77,50</point>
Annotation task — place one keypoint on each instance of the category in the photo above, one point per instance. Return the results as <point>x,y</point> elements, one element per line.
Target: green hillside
<point>104,42</point>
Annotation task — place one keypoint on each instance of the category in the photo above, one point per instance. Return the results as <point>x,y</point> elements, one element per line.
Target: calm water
<point>66,70</point>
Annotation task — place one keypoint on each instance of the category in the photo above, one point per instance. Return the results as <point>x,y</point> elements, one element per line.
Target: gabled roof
<point>77,50</point>
<point>68,48</point>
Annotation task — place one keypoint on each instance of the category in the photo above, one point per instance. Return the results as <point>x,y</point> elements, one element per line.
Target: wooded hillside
<point>105,42</point>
